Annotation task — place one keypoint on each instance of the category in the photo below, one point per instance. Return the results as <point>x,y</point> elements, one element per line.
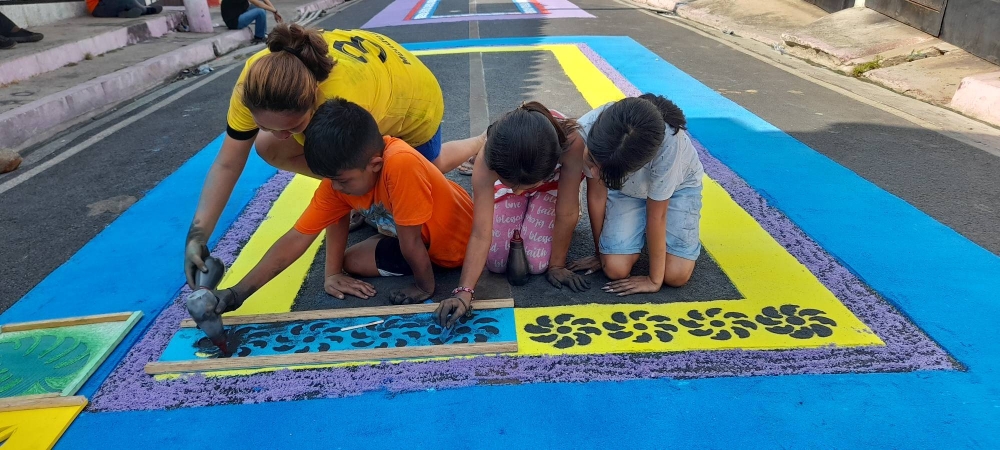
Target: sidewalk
<point>86,66</point>
<point>857,42</point>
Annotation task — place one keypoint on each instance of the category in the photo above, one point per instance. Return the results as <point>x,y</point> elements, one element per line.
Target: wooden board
<point>71,321</point>
<point>40,401</point>
<point>381,354</point>
<point>58,356</point>
<point>324,314</point>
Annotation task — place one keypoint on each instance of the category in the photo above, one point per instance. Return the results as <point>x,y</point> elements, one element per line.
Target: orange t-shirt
<point>410,191</point>
<point>91,5</point>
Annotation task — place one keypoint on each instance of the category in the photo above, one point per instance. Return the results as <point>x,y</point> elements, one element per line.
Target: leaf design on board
<point>40,363</point>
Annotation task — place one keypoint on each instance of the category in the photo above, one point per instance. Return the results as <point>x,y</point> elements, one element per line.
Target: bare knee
<point>617,267</point>
<point>678,271</point>
<point>353,261</point>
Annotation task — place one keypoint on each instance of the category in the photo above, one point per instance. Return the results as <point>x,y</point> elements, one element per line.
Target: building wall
<point>974,25</point>
<point>43,13</point>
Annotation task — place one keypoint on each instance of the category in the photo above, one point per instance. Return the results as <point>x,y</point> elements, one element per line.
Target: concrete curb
<point>979,96</point>
<point>855,34</point>
<point>316,6</point>
<point>703,14</point>
<point>41,118</point>
<point>50,113</point>
<point>53,58</point>
<point>706,17</point>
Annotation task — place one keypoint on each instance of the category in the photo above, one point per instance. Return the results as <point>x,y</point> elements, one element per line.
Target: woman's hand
<point>342,283</point>
<point>195,252</point>
<point>561,276</point>
<point>590,264</point>
<point>632,285</point>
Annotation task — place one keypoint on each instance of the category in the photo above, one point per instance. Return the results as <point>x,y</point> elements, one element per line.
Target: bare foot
<point>408,295</point>
<point>466,167</point>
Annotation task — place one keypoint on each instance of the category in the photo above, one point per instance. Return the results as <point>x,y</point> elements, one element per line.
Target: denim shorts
<point>432,148</point>
<point>624,231</point>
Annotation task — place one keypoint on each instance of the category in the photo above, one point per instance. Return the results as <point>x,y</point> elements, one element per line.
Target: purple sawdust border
<point>395,14</point>
<point>906,349</point>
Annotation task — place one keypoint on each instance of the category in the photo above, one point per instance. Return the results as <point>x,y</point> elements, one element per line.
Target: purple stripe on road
<point>907,347</point>
<point>395,14</point>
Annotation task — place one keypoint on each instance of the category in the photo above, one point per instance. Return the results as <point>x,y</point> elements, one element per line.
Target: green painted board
<point>57,360</point>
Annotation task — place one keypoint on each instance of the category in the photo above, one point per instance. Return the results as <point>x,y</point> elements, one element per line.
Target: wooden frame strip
<point>130,320</point>
<point>295,359</point>
<point>67,322</point>
<point>39,402</point>
<point>339,313</point>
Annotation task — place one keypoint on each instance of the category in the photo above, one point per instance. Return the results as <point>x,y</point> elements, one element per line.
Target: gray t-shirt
<point>676,165</point>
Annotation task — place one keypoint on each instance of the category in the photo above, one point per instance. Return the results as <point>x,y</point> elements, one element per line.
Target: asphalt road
<point>45,220</point>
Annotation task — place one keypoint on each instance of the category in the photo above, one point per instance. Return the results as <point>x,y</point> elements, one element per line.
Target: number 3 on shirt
<point>358,44</point>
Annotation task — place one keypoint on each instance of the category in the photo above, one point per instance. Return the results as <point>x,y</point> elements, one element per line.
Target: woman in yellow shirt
<point>281,86</point>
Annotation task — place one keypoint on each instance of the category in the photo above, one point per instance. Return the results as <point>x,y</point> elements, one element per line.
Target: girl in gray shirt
<point>649,193</point>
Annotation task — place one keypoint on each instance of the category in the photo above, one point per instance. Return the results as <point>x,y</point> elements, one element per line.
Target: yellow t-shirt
<point>374,72</point>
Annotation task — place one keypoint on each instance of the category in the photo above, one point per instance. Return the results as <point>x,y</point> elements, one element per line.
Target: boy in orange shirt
<point>423,218</point>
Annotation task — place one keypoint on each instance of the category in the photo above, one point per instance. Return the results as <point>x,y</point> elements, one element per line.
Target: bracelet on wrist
<point>472,297</point>
<point>472,292</point>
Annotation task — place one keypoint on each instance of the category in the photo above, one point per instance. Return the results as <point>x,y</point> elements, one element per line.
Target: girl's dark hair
<point>524,145</point>
<point>628,134</point>
<point>672,115</point>
<point>287,78</point>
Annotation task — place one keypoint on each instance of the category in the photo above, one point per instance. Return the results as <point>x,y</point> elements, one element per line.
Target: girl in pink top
<point>526,177</point>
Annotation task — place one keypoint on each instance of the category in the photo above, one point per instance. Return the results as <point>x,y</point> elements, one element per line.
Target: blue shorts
<point>624,231</point>
<point>432,148</point>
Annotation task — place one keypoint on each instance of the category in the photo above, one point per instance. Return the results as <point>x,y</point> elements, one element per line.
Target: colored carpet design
<point>798,337</point>
<point>56,359</point>
<point>414,12</point>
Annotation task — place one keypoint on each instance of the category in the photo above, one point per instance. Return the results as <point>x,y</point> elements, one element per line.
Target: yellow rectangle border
<point>784,306</point>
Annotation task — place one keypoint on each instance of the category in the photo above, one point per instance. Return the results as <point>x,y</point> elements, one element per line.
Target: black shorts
<point>389,258</point>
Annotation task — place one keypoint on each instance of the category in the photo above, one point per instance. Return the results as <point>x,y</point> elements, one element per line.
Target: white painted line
<point>364,325</point>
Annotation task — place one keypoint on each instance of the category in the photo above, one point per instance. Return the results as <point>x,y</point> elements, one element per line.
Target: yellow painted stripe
<point>488,49</point>
<point>278,295</point>
<point>596,88</point>
<point>757,265</point>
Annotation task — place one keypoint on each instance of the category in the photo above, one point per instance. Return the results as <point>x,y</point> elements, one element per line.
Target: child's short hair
<point>524,145</point>
<point>341,136</point>
<point>628,134</point>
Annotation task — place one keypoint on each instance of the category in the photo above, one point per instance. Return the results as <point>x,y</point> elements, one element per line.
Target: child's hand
<point>409,295</point>
<point>591,264</point>
<point>560,276</point>
<point>342,283</point>
<point>450,310</point>
<point>631,285</point>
